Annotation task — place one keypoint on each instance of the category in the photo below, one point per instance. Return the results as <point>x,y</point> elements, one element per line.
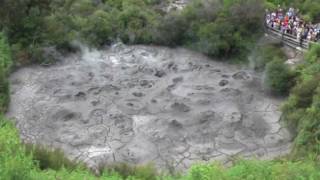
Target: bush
<point>136,22</point>
<point>216,28</point>
<point>302,110</point>
<point>279,78</point>
<point>217,38</point>
<point>171,30</point>
<point>99,28</point>
<point>311,8</point>
<point>49,158</point>
<point>5,65</point>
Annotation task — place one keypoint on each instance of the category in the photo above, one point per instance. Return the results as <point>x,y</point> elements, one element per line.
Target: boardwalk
<point>289,39</point>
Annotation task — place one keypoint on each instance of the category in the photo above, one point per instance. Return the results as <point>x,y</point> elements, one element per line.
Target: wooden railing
<point>289,39</point>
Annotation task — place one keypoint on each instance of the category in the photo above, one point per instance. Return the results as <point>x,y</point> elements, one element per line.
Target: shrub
<point>216,38</point>
<point>49,158</point>
<point>5,65</point>
<point>304,92</point>
<point>302,110</point>
<point>171,30</point>
<point>136,22</point>
<point>279,78</point>
<point>99,28</point>
<point>57,33</point>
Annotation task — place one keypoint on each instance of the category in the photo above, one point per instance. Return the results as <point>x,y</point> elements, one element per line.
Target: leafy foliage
<point>49,158</point>
<point>5,65</point>
<point>301,111</point>
<point>216,28</point>
<point>309,9</point>
<point>279,77</point>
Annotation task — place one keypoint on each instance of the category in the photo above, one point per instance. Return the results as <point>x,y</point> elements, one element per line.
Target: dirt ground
<point>141,104</point>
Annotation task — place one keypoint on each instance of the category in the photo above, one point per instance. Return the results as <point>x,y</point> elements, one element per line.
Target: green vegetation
<point>225,29</point>
<point>301,111</point>
<point>279,77</point>
<point>5,65</point>
<point>217,28</point>
<point>49,159</point>
<point>309,9</point>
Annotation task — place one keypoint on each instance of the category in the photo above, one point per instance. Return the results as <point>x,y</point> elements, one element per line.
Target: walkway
<point>289,39</point>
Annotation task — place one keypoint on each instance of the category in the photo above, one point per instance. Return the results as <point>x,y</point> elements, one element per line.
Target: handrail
<point>289,39</point>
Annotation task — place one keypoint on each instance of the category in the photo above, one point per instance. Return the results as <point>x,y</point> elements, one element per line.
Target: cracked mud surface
<point>141,104</point>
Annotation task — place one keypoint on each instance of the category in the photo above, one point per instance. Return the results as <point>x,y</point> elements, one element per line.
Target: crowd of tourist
<point>289,22</point>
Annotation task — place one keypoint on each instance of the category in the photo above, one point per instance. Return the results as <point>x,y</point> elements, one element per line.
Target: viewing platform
<point>289,40</point>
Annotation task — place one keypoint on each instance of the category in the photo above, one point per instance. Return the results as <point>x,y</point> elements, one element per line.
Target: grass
<point>47,158</point>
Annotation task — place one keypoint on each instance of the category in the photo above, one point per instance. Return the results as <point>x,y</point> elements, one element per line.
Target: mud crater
<point>141,104</point>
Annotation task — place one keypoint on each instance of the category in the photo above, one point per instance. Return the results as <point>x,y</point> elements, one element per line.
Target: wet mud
<point>141,104</point>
